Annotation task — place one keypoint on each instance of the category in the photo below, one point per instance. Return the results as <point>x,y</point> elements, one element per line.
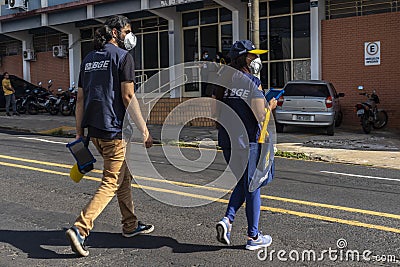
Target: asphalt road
<point>332,211</point>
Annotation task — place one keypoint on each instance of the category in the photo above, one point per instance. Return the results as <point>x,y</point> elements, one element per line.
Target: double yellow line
<point>265,208</point>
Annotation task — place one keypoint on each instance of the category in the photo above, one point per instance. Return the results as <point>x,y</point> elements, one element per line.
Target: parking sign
<point>372,53</point>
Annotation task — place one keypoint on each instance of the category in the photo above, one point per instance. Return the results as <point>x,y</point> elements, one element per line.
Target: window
<point>225,15</point>
<point>190,39</point>
<point>280,74</point>
<point>279,7</point>
<point>280,39</point>
<point>164,50</point>
<point>226,38</point>
<point>285,33</point>
<point>209,16</point>
<point>190,19</point>
<point>301,5</point>
<point>301,36</point>
<point>209,42</point>
<point>315,90</point>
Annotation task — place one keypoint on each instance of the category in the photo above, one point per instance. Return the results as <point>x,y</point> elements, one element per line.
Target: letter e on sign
<point>372,53</point>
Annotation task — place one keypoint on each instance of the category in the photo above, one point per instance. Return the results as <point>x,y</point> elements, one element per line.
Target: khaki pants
<point>116,180</point>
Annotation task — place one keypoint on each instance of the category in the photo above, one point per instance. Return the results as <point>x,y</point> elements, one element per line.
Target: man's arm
<point>79,113</point>
<point>133,108</point>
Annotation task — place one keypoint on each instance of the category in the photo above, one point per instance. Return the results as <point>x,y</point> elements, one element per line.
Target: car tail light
<point>329,102</point>
<point>280,101</point>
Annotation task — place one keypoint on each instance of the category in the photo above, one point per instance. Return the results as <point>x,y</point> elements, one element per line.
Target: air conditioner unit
<point>29,54</point>
<point>17,4</point>
<point>59,51</point>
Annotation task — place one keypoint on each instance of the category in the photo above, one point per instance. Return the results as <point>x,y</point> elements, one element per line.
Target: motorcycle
<point>369,114</point>
<point>41,99</point>
<point>68,102</point>
<point>21,103</point>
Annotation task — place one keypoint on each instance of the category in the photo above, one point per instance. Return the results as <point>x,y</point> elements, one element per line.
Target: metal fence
<point>350,8</point>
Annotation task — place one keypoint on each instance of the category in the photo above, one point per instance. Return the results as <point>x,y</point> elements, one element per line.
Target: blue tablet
<point>81,153</point>
<point>274,93</point>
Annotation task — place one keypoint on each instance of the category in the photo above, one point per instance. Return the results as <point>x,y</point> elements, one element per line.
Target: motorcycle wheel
<point>381,120</point>
<point>21,109</point>
<point>32,108</point>
<point>53,110</point>
<point>65,109</point>
<point>366,124</point>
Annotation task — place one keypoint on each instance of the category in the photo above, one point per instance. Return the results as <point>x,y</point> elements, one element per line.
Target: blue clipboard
<point>274,93</point>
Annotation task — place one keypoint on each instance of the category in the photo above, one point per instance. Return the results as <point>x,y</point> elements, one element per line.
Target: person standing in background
<point>9,94</point>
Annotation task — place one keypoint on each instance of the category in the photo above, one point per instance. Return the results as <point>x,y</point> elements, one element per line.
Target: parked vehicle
<point>369,114</point>
<point>68,102</point>
<point>42,99</point>
<point>20,86</point>
<point>308,103</point>
<point>21,102</point>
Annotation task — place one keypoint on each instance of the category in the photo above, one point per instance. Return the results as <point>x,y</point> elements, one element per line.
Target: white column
<point>317,14</point>
<point>27,43</point>
<point>74,48</point>
<point>175,41</point>
<point>144,4</point>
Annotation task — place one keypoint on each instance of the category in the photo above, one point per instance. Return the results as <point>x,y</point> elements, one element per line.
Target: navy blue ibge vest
<point>100,80</point>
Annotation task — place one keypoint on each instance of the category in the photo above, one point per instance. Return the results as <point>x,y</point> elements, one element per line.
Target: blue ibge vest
<point>100,78</point>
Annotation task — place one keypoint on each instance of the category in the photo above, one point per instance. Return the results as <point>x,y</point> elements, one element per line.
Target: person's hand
<point>147,140</point>
<point>272,104</point>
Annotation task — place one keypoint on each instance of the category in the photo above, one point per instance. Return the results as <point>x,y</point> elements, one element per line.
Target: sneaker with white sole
<point>262,241</point>
<point>140,229</point>
<point>77,242</point>
<point>224,231</point>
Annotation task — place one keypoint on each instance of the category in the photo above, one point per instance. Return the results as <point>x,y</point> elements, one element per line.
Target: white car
<point>309,103</point>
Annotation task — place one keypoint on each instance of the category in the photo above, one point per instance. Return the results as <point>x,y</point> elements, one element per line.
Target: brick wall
<point>343,62</point>
<point>47,67</point>
<point>164,106</point>
<point>12,64</point>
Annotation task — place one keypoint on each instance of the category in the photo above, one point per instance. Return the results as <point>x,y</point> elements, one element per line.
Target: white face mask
<point>256,66</point>
<point>130,41</point>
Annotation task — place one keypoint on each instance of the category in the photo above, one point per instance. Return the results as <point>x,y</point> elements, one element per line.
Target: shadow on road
<point>32,242</point>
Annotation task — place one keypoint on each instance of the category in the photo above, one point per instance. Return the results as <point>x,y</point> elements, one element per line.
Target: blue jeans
<point>248,160</point>
<point>10,99</point>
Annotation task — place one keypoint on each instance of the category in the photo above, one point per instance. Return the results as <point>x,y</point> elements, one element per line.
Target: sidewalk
<point>349,145</point>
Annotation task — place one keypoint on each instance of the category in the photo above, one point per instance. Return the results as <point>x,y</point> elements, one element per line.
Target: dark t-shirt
<point>242,127</point>
<point>100,77</point>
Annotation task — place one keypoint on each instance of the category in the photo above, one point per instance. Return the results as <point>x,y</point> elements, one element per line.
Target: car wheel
<point>279,127</point>
<point>339,119</point>
<point>331,129</point>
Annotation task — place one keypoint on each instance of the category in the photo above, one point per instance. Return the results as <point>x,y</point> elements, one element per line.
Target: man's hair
<point>5,73</point>
<point>104,34</point>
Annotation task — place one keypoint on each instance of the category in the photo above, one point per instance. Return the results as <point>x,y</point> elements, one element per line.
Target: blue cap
<point>244,46</point>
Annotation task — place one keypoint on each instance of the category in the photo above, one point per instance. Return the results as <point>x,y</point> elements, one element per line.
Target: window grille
<point>350,8</point>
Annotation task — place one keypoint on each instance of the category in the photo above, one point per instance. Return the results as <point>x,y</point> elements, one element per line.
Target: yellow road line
<point>62,128</point>
<point>288,200</point>
<point>277,210</point>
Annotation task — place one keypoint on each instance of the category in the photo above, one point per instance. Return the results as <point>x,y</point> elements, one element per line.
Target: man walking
<point>105,90</point>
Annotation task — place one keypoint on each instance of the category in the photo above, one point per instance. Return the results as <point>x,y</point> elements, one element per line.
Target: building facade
<point>47,39</point>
